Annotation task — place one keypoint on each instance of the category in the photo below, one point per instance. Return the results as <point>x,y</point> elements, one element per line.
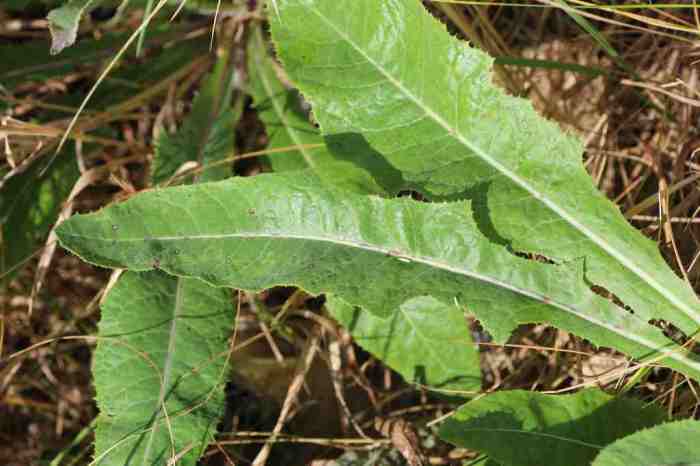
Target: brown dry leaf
<point>404,437</point>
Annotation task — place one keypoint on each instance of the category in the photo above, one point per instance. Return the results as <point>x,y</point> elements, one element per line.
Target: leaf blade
<point>435,352</point>
<point>350,165</point>
<point>522,428</point>
<point>388,71</point>
<point>673,443</point>
<point>168,337</point>
<point>63,24</point>
<point>291,229</point>
<point>29,204</point>
<point>206,136</point>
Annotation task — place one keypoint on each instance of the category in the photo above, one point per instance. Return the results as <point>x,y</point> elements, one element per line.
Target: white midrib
<point>262,75</point>
<point>167,373</point>
<point>400,255</point>
<point>560,211</point>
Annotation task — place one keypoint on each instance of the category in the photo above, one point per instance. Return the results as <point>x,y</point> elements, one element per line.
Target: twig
<point>301,370</point>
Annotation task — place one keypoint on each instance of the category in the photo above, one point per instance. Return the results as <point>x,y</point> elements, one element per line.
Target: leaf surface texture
<point>670,444</point>
<point>521,428</point>
<point>159,369</point>
<point>387,72</point>
<point>425,341</point>
<point>291,229</point>
<point>351,164</point>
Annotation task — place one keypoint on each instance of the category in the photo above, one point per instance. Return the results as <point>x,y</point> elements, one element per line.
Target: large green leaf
<point>425,341</point>
<point>388,72</point>
<point>351,164</point>
<point>167,336</point>
<point>521,428</point>
<point>291,229</point>
<point>671,444</point>
<point>159,369</point>
<point>413,346</point>
<point>29,205</point>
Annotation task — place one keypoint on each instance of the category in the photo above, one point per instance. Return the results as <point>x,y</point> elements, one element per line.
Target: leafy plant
<point>159,368</point>
<point>671,443</point>
<point>512,231</point>
<point>169,332</point>
<point>525,428</point>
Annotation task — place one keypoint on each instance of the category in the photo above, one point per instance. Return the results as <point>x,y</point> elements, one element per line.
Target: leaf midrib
<point>167,369</point>
<point>430,262</point>
<point>550,204</point>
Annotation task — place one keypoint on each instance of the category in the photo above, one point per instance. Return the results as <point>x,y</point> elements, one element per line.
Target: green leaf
<point>63,24</point>
<point>205,137</point>
<point>425,341</point>
<point>413,345</point>
<point>671,444</point>
<point>521,428</point>
<point>162,344</point>
<point>351,165</point>
<point>207,134</point>
<point>292,229</point>
<point>388,72</point>
<point>29,205</point>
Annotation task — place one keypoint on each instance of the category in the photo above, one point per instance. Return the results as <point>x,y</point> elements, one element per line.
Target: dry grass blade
<point>106,71</point>
<point>303,366</point>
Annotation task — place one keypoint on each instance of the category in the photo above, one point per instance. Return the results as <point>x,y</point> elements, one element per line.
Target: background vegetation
<point>624,79</point>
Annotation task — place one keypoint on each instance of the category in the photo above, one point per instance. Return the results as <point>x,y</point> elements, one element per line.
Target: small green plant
<point>510,229</point>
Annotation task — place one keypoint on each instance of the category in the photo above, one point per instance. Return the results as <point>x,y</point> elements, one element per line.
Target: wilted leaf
<point>63,24</point>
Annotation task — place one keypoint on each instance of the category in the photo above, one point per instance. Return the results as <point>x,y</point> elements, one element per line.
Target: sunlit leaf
<point>425,341</point>
<point>388,72</point>
<point>351,164</point>
<point>291,229</point>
